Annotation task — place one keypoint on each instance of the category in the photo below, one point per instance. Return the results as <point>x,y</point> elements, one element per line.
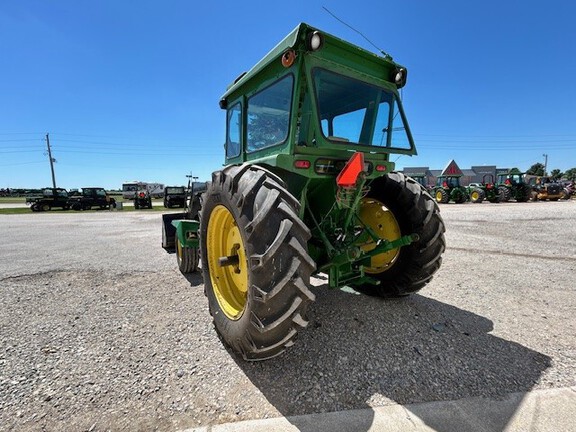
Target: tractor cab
<point>312,101</point>
<point>448,182</point>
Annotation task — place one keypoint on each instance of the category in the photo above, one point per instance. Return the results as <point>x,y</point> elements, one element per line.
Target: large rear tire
<point>504,193</point>
<point>524,193</point>
<point>415,212</point>
<point>255,261</point>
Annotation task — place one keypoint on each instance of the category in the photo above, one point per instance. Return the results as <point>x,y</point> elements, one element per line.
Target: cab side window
<point>269,115</point>
<point>233,130</point>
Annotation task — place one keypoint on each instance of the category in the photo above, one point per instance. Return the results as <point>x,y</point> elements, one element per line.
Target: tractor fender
<point>187,231</point>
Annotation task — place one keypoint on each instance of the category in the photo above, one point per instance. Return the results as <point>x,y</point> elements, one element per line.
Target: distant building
<point>475,174</point>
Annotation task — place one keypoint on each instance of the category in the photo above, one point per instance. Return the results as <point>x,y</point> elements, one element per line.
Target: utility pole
<point>545,163</point>
<point>52,160</point>
<point>190,191</point>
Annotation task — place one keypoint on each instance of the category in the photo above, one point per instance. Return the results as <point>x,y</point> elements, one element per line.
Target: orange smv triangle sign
<point>352,169</point>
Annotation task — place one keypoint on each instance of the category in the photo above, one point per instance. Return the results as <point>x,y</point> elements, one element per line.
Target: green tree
<point>571,174</point>
<point>537,169</point>
<point>556,174</point>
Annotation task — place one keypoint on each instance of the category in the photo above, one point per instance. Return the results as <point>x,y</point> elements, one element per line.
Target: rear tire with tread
<point>278,266</point>
<point>416,212</point>
<point>504,193</point>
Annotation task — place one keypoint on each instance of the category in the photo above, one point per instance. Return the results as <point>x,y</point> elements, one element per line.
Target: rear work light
<point>314,41</point>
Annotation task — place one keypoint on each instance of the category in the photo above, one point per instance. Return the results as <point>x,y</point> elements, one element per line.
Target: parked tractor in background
<point>142,199</point>
<point>174,196</point>
<point>448,189</point>
<point>422,180</point>
<point>308,188</point>
<point>51,198</point>
<point>487,190</point>
<point>511,185</point>
<point>448,186</point>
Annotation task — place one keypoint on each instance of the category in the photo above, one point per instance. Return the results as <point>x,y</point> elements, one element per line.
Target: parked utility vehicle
<point>174,196</point>
<point>92,197</point>
<point>51,198</point>
<point>309,188</point>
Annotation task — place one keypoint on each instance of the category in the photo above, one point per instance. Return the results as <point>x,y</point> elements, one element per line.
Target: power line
<point>20,151</point>
<point>23,163</point>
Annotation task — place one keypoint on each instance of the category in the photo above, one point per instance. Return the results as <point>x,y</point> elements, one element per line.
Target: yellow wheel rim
<point>230,282</point>
<point>475,195</point>
<point>382,223</point>
<point>439,196</point>
<point>178,249</point>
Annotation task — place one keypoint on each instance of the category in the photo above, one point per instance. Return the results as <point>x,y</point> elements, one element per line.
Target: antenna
<point>385,54</point>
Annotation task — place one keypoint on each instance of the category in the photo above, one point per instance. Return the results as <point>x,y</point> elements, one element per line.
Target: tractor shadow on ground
<point>360,351</point>
<point>195,279</point>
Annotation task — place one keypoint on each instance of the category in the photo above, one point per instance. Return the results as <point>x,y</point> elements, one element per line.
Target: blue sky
<point>130,90</point>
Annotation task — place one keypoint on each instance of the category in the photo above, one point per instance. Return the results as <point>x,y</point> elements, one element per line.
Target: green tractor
<point>448,186</point>
<point>511,185</point>
<point>308,188</point>
<point>421,179</point>
<point>485,191</point>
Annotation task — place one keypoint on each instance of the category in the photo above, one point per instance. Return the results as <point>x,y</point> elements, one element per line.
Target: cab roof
<point>296,40</point>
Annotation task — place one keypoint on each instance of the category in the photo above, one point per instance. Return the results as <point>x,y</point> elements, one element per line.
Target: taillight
<point>302,164</point>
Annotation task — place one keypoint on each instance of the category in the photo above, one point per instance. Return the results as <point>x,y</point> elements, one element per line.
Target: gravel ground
<point>99,330</point>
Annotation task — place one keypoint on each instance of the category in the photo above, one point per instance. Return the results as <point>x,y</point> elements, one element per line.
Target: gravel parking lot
<point>100,331</point>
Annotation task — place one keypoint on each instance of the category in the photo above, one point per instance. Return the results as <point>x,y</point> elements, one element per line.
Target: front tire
<point>255,261</point>
<point>477,195</point>
<point>187,257</point>
<point>441,196</point>
<point>415,212</point>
